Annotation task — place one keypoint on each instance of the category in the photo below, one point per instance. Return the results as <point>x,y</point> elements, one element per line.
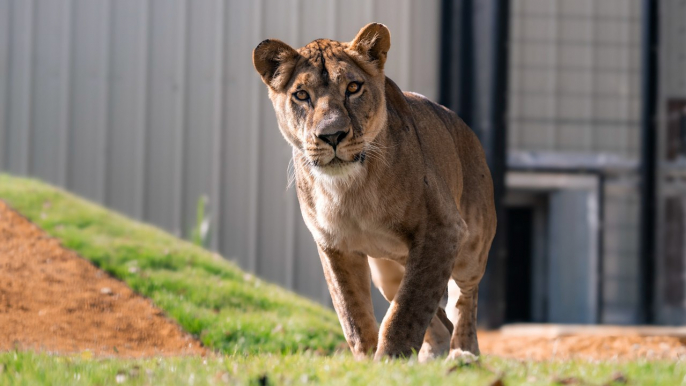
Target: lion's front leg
<point>427,272</point>
<point>348,278</point>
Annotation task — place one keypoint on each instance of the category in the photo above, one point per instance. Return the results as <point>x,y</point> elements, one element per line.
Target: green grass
<point>38,369</point>
<point>260,332</point>
<point>211,298</point>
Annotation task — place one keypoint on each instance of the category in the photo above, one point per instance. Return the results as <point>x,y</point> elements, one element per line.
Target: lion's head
<point>328,97</point>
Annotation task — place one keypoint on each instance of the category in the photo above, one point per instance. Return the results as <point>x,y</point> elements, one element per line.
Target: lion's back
<point>435,122</point>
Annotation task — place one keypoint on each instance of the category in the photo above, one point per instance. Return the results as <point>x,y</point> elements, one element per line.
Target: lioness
<point>389,183</point>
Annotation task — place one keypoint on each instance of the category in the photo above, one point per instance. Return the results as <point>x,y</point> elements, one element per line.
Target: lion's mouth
<point>337,161</point>
<point>339,166</point>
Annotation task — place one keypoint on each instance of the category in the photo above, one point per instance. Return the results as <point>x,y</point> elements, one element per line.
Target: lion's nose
<point>333,139</point>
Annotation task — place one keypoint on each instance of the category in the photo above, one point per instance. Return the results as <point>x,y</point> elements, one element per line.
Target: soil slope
<point>53,300</point>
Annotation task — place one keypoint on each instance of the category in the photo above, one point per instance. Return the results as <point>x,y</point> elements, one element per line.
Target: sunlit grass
<point>274,369</point>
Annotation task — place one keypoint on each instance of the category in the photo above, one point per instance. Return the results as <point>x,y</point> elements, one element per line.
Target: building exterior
<point>573,121</point>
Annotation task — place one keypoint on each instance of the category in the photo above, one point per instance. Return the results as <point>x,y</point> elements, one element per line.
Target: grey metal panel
<point>165,88</point>
<point>424,48</point>
<point>200,94</point>
<point>89,103</point>
<point>572,258</point>
<point>126,102</point>
<point>64,122</point>
<point>20,86</point>
<point>309,277</point>
<point>275,155</point>
<point>180,112</point>
<point>143,116</point>
<point>399,22</point>
<point>254,159</point>
<point>321,22</point>
<point>5,28</point>
<point>620,261</point>
<point>353,15</point>
<point>241,90</point>
<point>218,123</point>
<point>47,106</point>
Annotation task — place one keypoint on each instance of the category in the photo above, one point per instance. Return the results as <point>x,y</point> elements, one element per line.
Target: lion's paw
<point>459,355</point>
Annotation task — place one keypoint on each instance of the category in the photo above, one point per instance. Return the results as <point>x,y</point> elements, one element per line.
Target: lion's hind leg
<point>467,273</point>
<point>387,275</point>
<point>464,343</point>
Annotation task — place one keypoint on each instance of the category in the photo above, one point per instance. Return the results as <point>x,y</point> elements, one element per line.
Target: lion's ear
<point>274,60</point>
<point>374,41</point>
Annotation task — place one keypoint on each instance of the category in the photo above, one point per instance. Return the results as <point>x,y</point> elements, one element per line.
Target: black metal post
<point>457,58</point>
<point>649,83</point>
<point>600,268</point>
<point>448,46</point>
<point>466,57</point>
<point>498,160</point>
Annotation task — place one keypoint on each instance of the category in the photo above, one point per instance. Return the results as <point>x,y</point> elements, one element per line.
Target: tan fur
<point>406,191</point>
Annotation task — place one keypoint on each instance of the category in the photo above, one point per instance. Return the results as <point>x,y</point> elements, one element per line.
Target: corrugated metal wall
<point>574,87</point>
<point>147,105</point>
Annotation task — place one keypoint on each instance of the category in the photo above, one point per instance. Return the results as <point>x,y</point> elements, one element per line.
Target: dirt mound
<point>53,300</point>
<point>581,346</point>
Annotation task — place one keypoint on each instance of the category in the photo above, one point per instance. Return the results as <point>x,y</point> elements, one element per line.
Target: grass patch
<point>228,310</point>
<point>30,368</point>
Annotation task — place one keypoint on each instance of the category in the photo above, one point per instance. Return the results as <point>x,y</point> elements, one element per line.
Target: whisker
<point>290,170</point>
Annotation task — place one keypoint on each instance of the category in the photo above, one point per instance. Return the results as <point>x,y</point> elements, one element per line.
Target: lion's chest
<point>356,227</point>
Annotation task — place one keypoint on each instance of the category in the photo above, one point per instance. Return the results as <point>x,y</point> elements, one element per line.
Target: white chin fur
<point>343,174</point>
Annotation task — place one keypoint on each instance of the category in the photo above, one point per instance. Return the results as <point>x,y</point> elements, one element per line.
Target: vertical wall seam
<point>105,110</point>
<point>333,20</point>
<point>11,84</point>
<point>371,4</point>
<point>254,165</point>
<point>588,136</point>
<point>219,119</point>
<point>5,92</point>
<point>67,52</point>
<point>31,38</point>
<point>516,134</point>
<point>624,107</point>
<point>143,113</point>
<point>181,105</point>
<point>554,126</point>
<point>405,69</point>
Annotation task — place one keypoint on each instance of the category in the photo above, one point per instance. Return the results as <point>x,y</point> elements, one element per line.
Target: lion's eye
<point>353,87</point>
<point>301,95</point>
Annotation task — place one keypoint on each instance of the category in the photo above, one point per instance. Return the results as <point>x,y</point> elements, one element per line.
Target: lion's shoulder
<point>425,107</point>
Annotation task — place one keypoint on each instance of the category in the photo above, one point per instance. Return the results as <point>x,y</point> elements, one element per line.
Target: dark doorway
<point>520,227</point>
